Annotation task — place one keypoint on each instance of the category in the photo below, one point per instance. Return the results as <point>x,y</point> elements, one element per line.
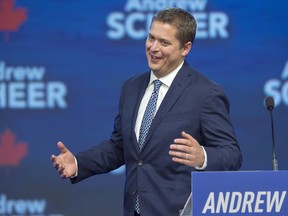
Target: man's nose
<point>155,46</point>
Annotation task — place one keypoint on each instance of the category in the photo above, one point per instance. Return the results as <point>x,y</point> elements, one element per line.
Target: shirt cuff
<point>205,161</point>
<point>76,174</point>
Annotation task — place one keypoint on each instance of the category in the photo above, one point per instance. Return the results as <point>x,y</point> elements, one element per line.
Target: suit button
<point>140,163</point>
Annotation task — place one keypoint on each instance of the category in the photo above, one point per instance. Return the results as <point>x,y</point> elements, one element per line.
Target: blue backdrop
<point>62,64</point>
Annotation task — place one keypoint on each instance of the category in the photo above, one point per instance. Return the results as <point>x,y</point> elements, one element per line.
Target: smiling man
<point>172,120</point>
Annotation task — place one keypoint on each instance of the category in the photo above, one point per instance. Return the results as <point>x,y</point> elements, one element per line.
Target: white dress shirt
<point>166,83</point>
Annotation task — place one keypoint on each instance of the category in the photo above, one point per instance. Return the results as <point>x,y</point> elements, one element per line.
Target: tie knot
<point>157,84</point>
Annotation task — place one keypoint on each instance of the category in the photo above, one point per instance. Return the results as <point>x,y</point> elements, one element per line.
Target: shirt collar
<point>168,79</point>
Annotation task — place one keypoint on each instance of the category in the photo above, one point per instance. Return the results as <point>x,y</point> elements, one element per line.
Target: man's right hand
<point>64,162</point>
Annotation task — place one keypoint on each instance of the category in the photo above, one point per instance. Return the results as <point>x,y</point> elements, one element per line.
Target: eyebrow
<point>160,39</point>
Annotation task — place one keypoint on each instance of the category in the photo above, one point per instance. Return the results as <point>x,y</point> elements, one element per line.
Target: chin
<point>153,67</point>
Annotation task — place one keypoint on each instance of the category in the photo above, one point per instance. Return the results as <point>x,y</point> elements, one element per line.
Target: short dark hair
<point>183,20</point>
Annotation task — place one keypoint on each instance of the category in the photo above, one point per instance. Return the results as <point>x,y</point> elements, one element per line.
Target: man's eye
<point>165,43</point>
<point>150,38</point>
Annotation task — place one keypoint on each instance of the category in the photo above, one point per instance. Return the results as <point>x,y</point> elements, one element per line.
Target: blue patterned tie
<point>149,113</point>
<point>146,123</point>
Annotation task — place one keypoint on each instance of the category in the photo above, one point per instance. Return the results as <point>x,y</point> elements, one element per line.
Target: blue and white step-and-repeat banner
<point>62,64</point>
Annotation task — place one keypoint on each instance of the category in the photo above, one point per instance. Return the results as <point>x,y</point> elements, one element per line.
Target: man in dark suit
<point>190,131</point>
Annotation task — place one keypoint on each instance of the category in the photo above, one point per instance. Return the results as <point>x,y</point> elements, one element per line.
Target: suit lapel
<point>137,95</point>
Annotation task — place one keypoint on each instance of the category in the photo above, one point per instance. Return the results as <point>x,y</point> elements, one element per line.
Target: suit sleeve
<point>104,157</point>
<point>220,143</point>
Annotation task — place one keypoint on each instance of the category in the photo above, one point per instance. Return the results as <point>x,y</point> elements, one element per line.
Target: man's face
<point>163,50</point>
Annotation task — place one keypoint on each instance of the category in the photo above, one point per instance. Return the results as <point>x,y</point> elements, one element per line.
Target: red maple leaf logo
<point>11,153</point>
<point>10,18</point>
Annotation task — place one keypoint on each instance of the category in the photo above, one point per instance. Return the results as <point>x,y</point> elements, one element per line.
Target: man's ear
<point>186,49</point>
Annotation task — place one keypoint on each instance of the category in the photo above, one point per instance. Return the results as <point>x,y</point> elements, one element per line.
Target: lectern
<point>238,193</point>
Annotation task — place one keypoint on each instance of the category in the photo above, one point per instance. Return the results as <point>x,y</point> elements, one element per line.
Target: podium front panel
<point>240,193</point>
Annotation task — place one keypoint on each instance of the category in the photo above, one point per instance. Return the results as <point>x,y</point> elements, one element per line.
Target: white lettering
<point>34,95</point>
<point>23,207</point>
<point>222,203</point>
<point>16,95</point>
<point>156,5</point>
<point>274,201</point>
<point>284,74</point>
<point>20,73</point>
<point>35,206</point>
<point>248,201</point>
<point>117,30</point>
<point>2,95</point>
<point>236,197</point>
<point>234,202</point>
<point>135,25</point>
<point>210,204</point>
<point>56,92</point>
<point>22,88</point>
<point>278,90</point>
<point>285,93</point>
<point>20,206</point>
<point>197,5</point>
<point>218,23</point>
<point>213,25</point>
<point>133,5</point>
<point>131,23</point>
<point>259,201</point>
<point>202,26</point>
<point>35,73</point>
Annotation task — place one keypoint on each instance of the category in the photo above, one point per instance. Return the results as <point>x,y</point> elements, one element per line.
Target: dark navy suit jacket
<point>193,104</point>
